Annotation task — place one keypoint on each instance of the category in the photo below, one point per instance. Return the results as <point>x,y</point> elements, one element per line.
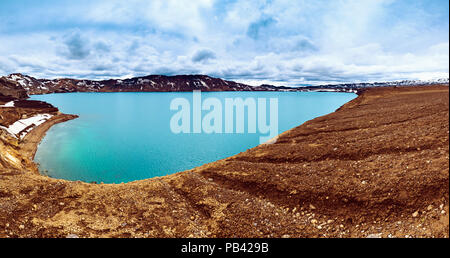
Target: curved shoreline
<point>31,141</point>
<point>380,159</point>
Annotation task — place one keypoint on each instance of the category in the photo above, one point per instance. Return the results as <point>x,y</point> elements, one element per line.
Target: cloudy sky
<point>282,42</point>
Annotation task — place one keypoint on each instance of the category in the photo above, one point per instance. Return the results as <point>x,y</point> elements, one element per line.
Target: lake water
<point>122,137</point>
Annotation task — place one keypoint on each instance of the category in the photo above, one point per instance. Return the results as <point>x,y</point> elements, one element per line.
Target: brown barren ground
<point>377,167</point>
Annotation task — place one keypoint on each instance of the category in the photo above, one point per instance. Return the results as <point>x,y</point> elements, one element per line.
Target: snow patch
<point>18,128</point>
<point>204,84</point>
<point>9,104</point>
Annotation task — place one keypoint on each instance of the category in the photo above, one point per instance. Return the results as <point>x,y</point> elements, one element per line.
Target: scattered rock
<point>374,235</point>
<point>234,216</point>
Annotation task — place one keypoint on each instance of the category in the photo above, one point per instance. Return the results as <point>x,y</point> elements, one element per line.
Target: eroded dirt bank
<point>377,167</point>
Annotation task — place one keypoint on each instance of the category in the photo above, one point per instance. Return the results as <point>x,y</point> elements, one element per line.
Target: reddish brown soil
<point>377,167</point>
<point>23,109</point>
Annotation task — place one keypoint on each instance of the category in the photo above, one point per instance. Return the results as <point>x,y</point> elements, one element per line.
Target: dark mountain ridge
<point>150,83</point>
<point>20,86</point>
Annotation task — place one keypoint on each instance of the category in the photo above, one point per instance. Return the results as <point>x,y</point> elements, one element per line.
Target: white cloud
<point>278,42</point>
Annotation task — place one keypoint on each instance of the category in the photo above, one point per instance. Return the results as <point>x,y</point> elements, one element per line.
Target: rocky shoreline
<point>377,167</point>
<point>31,141</point>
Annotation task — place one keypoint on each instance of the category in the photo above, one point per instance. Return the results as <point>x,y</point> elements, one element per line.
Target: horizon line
<point>236,81</point>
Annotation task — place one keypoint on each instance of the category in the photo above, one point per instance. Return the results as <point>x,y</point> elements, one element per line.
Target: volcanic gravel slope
<point>377,167</point>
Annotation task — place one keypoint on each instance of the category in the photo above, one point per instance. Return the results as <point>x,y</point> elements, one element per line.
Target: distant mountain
<point>353,87</point>
<point>151,83</point>
<point>11,88</point>
<point>20,86</point>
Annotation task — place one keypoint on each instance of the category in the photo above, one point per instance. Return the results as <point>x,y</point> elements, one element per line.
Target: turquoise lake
<point>122,137</point>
